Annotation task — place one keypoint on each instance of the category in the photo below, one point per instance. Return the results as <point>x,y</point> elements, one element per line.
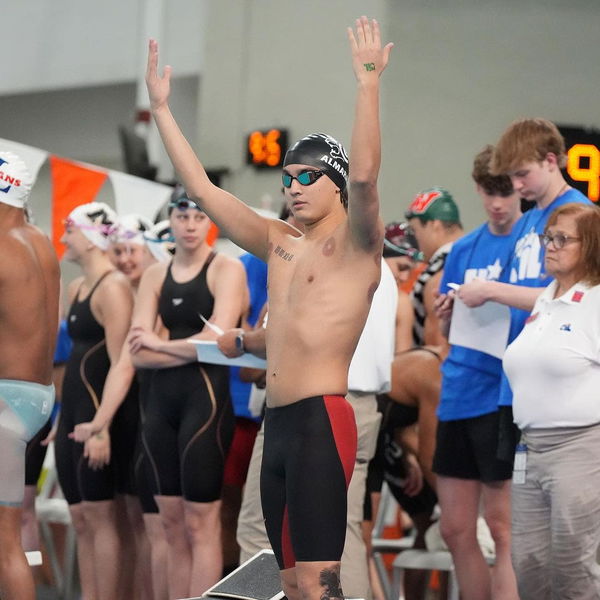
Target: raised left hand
<point>368,57</point>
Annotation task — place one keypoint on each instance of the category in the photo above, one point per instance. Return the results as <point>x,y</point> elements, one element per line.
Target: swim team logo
<point>6,178</point>
<point>423,201</point>
<point>336,154</point>
<point>101,220</point>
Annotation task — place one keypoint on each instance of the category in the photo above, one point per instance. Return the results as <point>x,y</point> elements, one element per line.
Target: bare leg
<point>30,535</point>
<point>101,519</point>
<point>158,552</point>
<point>29,526</point>
<point>319,580</point>
<point>142,547</point>
<point>415,580</point>
<point>496,502</point>
<point>16,580</point>
<point>179,549</point>
<point>230,509</point>
<point>203,525</point>
<point>85,552</point>
<point>289,584</point>
<point>459,501</point>
<point>128,552</point>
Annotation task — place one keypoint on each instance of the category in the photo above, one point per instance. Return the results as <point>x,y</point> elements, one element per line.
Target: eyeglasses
<point>558,239</point>
<point>304,178</point>
<point>183,204</point>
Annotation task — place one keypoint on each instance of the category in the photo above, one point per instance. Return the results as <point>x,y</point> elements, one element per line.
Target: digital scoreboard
<point>266,148</point>
<point>583,159</point>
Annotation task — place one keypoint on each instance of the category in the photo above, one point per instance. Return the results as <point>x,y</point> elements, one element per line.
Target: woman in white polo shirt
<point>554,371</point>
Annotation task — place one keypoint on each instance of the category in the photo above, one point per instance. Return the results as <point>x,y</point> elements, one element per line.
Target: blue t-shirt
<point>527,265</point>
<point>256,277</point>
<point>470,378</point>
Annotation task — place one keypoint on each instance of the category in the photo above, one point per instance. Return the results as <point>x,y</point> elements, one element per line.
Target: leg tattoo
<point>329,580</point>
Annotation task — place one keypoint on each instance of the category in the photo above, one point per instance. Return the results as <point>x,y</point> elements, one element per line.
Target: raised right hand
<point>159,87</point>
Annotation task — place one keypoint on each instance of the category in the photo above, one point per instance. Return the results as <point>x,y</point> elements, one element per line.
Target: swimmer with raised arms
<point>321,284</point>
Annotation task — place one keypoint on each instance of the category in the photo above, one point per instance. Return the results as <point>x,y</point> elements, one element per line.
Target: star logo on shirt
<point>177,301</point>
<point>494,271</point>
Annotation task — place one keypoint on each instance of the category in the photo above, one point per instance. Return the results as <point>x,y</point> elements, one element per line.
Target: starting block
<point>256,579</point>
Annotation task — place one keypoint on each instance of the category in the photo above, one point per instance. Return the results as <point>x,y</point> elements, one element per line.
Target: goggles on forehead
<point>183,204</point>
<point>103,229</point>
<point>156,240</point>
<point>396,250</point>
<point>119,235</point>
<point>304,178</point>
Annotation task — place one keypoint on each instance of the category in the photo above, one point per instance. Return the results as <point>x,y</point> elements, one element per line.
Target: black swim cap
<point>324,152</point>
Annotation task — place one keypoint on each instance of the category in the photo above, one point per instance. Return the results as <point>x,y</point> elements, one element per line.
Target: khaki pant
<point>251,534</point>
<point>556,515</point>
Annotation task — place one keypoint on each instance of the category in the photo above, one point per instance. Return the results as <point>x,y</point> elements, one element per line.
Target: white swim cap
<point>96,221</point>
<point>130,229</point>
<point>15,180</point>
<point>160,241</point>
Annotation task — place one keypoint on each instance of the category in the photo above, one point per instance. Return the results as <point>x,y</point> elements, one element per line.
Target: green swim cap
<point>434,204</point>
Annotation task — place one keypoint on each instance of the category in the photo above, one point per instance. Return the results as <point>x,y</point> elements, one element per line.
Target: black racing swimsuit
<point>308,459</point>
<point>189,419</point>
<point>85,374</point>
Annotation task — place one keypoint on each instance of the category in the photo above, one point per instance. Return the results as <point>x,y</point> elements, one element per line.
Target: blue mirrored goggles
<point>304,178</point>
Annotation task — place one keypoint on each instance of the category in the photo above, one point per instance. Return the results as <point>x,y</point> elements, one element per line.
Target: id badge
<point>520,464</point>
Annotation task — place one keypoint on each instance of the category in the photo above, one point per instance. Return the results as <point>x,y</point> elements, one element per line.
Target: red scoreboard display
<point>583,159</point>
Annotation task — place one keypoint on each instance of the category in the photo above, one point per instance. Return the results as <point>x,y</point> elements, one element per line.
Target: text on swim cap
<point>10,180</point>
<point>332,163</point>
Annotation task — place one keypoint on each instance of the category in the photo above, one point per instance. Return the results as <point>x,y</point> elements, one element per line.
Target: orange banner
<point>212,235</point>
<point>72,185</point>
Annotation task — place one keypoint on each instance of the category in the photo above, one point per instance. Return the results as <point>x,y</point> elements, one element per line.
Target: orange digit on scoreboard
<point>266,148</point>
<point>589,174</point>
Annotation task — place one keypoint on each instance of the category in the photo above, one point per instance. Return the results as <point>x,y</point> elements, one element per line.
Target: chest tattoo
<point>279,251</point>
